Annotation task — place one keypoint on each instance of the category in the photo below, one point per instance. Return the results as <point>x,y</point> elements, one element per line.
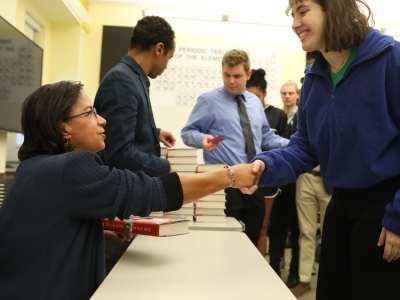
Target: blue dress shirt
<point>216,113</point>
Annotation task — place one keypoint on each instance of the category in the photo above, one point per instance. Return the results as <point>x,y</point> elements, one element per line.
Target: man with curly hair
<point>133,140</point>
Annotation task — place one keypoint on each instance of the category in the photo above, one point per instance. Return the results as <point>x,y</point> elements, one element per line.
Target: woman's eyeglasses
<point>87,113</point>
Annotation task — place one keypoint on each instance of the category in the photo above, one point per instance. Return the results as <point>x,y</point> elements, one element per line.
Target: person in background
<point>349,124</point>
<point>237,115</point>
<point>123,99</point>
<point>257,84</point>
<point>290,96</point>
<point>277,119</point>
<point>284,224</point>
<point>62,190</point>
<point>312,198</point>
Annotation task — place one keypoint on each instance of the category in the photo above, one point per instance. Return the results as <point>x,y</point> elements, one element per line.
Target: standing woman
<point>283,227</point>
<point>277,119</point>
<point>257,84</point>
<point>349,123</point>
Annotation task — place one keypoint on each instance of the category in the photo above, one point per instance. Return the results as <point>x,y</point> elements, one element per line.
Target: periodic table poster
<point>20,68</point>
<point>196,69</point>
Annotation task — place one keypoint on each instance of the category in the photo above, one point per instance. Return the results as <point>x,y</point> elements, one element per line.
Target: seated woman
<point>51,230</point>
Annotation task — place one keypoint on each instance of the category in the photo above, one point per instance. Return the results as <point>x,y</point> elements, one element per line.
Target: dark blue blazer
<point>132,137</point>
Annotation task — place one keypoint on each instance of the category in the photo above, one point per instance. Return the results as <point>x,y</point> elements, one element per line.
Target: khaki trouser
<point>311,198</point>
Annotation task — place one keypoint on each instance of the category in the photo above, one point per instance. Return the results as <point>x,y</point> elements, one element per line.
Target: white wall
<point>12,150</point>
<point>8,9</point>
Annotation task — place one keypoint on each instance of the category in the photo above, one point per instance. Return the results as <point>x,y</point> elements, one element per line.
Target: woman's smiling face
<point>308,24</point>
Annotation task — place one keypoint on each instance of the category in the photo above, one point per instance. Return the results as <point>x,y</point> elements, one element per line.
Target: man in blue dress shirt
<point>216,114</point>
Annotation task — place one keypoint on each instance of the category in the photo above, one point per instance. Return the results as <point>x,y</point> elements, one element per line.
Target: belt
<point>315,173</point>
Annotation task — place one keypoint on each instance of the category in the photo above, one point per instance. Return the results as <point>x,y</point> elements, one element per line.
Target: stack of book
<point>163,152</point>
<point>183,160</point>
<point>160,226</point>
<point>185,212</point>
<point>210,208</point>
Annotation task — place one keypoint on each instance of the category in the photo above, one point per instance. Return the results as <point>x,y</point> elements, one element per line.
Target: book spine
<point>116,225</point>
<point>146,228</point>
<point>152,229</point>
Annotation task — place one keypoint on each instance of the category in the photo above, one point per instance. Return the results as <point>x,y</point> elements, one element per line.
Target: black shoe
<point>291,282</point>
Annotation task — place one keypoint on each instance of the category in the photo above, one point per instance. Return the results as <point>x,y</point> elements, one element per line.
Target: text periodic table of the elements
<point>196,69</point>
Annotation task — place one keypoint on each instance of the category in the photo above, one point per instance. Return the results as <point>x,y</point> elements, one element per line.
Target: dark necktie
<point>248,134</point>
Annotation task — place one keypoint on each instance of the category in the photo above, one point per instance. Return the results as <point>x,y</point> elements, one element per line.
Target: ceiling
<point>274,11</point>
<point>57,12</point>
<point>65,12</point>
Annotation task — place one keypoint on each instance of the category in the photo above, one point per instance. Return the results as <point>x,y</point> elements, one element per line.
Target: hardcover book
<point>174,152</point>
<point>163,152</point>
<point>209,211</point>
<point>184,168</point>
<point>182,160</point>
<point>188,217</point>
<point>209,219</point>
<point>159,227</point>
<point>183,210</point>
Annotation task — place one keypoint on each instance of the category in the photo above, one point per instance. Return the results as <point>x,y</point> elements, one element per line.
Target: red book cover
<point>149,226</point>
<point>117,225</point>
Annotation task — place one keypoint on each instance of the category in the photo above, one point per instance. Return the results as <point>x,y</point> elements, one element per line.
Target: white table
<point>199,265</point>
<point>231,224</point>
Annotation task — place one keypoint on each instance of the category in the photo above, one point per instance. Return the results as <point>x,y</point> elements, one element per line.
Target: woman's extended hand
<point>251,171</point>
<point>257,168</point>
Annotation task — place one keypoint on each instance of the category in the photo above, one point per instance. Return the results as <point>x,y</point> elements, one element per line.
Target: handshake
<point>240,177</point>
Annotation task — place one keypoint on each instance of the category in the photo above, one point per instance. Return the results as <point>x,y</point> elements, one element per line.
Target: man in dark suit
<point>133,140</point>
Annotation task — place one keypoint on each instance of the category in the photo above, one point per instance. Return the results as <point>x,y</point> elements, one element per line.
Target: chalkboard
<point>20,74</point>
<point>114,46</point>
